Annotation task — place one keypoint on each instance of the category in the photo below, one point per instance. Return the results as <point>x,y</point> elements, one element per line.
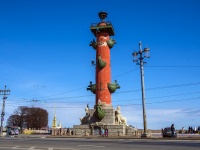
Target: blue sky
<point>45,56</point>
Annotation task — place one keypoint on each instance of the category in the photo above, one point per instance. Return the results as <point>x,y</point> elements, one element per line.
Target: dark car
<point>168,133</point>
<point>13,130</point>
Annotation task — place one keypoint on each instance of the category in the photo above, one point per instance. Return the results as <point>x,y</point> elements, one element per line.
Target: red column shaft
<point>103,76</point>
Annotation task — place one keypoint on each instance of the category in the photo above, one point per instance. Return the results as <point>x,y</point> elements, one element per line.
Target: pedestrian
<point>195,130</point>
<point>102,132</point>
<point>183,130</point>
<point>172,129</point>
<point>189,129</point>
<point>192,131</point>
<point>106,132</point>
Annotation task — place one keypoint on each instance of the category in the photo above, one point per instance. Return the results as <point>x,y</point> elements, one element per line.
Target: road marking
<point>27,148</point>
<point>90,146</point>
<point>86,145</point>
<point>35,148</point>
<point>31,148</point>
<point>5,147</point>
<point>17,147</point>
<point>50,148</point>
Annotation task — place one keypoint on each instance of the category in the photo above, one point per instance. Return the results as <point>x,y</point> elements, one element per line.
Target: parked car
<point>168,133</point>
<point>13,130</point>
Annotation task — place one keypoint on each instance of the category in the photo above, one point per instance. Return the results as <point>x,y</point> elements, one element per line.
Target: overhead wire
<point>162,87</point>
<point>173,66</point>
<point>168,101</point>
<point>149,98</point>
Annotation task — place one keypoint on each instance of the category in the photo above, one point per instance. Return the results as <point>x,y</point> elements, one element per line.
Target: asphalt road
<point>19,143</point>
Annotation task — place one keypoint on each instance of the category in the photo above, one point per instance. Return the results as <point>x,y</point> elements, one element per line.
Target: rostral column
<point>103,86</point>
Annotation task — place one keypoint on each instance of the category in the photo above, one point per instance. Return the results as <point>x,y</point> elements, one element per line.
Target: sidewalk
<point>33,135</point>
<point>153,136</point>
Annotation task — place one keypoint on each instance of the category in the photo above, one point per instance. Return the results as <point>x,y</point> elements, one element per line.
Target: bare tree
<point>21,112</point>
<point>38,118</point>
<point>13,120</point>
<point>29,117</point>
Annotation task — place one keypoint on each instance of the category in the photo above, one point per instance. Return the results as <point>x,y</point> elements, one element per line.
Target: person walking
<point>172,129</point>
<point>102,132</point>
<point>106,132</point>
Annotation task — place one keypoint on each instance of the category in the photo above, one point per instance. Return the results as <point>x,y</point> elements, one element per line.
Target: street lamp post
<point>4,93</point>
<point>142,54</point>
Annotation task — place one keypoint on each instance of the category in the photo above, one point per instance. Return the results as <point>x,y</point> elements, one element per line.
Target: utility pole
<point>142,54</point>
<point>4,93</point>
